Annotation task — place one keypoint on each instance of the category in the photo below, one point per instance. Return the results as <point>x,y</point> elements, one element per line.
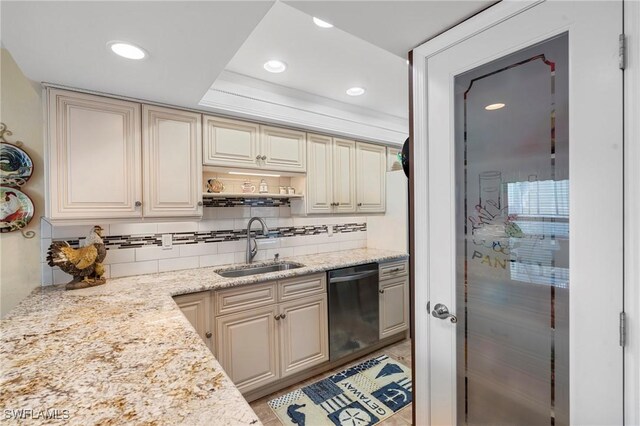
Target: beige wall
<point>21,111</point>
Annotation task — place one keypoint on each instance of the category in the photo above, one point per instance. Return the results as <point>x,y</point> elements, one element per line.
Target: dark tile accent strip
<point>253,202</point>
<point>115,242</point>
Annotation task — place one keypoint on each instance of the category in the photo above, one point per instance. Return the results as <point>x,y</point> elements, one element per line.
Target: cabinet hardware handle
<point>264,157</point>
<point>283,316</point>
<point>138,203</point>
<point>359,204</point>
<point>337,204</point>
<point>200,203</point>
<point>258,157</point>
<point>394,270</point>
<point>208,334</point>
<point>277,317</point>
<point>381,291</point>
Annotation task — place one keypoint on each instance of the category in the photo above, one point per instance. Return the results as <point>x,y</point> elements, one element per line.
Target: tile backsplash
<point>218,239</point>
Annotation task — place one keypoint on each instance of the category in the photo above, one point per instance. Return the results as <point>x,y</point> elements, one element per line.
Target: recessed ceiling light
<point>355,91</point>
<point>493,107</point>
<point>321,23</point>
<point>275,66</point>
<point>127,50</point>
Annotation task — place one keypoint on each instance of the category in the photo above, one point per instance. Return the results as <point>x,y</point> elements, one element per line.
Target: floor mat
<point>362,395</point>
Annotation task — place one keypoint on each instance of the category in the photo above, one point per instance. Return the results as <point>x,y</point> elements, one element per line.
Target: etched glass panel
<point>512,238</point>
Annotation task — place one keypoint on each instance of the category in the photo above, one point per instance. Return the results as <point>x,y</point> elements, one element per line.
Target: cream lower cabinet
<point>196,307</point>
<point>172,162</point>
<point>262,340</point>
<point>94,163</point>
<point>247,347</point>
<point>394,298</point>
<point>371,173</point>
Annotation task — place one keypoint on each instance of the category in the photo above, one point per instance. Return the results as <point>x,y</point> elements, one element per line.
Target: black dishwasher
<point>354,317</point>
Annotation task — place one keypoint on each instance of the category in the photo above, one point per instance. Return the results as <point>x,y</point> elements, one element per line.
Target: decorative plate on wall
<point>16,166</point>
<point>16,209</point>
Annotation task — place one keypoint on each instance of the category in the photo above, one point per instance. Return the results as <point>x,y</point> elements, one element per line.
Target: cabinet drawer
<point>394,269</point>
<point>242,298</point>
<point>294,288</point>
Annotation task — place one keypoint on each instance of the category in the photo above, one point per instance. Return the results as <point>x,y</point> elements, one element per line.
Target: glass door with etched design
<point>522,266</point>
<point>512,237</point>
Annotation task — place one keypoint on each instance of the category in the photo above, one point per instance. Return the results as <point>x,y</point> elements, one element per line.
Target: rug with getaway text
<point>362,395</point>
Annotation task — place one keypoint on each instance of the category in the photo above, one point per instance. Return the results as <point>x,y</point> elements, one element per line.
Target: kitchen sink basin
<point>262,268</point>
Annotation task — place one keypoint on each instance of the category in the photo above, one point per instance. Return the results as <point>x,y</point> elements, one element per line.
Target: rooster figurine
<point>84,263</point>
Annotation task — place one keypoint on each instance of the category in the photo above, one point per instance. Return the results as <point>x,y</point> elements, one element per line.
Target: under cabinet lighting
<point>253,174</point>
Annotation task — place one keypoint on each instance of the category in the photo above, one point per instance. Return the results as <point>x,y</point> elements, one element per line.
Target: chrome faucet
<point>252,251</point>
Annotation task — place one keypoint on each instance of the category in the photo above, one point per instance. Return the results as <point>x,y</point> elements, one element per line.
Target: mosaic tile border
<point>115,242</point>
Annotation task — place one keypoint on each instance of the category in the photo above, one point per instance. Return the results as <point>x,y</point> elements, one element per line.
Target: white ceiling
<point>324,62</point>
<point>396,26</point>
<point>189,44</point>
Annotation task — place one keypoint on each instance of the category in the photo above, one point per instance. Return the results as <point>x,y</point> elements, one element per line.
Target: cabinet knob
<point>138,203</point>
<point>200,203</point>
<point>258,157</point>
<point>264,157</point>
<point>337,204</point>
<point>381,291</point>
<point>359,204</point>
<point>208,334</point>
<point>283,316</point>
<point>277,317</point>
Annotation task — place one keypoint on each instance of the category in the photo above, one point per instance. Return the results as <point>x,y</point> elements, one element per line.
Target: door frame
<point>419,172</point>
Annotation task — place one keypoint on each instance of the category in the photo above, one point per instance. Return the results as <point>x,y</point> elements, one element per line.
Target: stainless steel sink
<point>262,268</point>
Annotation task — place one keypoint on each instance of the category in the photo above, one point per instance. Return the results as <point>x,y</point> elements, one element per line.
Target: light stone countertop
<point>123,353</point>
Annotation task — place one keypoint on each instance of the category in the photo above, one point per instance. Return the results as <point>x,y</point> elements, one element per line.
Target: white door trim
<point>632,212</point>
<point>420,146</point>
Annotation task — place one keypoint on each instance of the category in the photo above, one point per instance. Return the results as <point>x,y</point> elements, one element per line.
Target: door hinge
<point>623,329</point>
<point>622,52</point>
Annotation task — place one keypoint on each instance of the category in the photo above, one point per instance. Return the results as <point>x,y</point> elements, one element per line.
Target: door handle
<point>441,311</point>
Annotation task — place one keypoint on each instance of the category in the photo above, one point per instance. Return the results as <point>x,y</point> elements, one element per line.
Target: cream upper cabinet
<point>172,162</point>
<point>319,174</point>
<point>230,143</point>
<point>331,175</point>
<point>283,149</point>
<point>94,157</point>
<point>344,175</point>
<point>371,162</point>
<point>196,307</point>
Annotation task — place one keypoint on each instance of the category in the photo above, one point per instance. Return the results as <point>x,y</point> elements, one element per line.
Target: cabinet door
<point>94,164</point>
<point>319,174</point>
<point>247,347</point>
<point>371,176</point>
<point>197,308</point>
<point>394,306</point>
<point>303,332</point>
<point>344,175</point>
<point>283,149</point>
<point>172,158</point>
<point>230,143</point>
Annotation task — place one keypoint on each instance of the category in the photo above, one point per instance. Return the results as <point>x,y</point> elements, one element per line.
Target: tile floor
<point>399,351</point>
